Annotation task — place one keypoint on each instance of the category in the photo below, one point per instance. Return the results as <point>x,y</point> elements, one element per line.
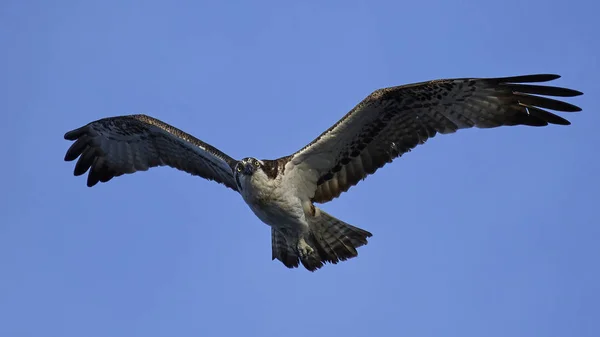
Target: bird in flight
<point>283,192</point>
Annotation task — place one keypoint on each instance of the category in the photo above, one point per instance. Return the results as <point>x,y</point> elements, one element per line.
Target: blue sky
<point>480,233</point>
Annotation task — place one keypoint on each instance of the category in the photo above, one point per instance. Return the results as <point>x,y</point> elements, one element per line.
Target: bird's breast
<point>274,205</point>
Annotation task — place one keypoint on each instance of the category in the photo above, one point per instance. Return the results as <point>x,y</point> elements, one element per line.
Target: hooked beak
<point>248,169</point>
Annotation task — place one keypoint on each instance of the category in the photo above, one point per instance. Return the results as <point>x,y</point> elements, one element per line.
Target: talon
<point>304,249</point>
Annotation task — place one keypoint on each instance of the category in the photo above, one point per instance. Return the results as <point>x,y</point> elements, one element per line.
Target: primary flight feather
<point>282,192</point>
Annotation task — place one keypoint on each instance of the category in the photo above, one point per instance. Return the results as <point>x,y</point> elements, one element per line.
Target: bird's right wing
<point>114,146</point>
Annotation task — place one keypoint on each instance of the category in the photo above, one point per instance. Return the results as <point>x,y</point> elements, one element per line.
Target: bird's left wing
<point>114,146</point>
<point>392,121</point>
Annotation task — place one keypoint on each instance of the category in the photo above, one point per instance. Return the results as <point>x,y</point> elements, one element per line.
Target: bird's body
<point>282,192</point>
<point>282,202</point>
<point>272,202</point>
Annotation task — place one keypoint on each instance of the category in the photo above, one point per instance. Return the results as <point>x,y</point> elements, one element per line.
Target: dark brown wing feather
<point>114,146</point>
<point>392,121</point>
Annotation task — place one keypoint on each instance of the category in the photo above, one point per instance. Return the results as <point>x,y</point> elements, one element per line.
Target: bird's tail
<point>329,240</point>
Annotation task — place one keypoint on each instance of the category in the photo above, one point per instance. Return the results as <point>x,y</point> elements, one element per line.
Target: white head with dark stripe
<point>247,169</point>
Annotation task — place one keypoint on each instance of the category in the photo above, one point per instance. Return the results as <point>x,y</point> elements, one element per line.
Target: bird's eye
<point>239,168</point>
<point>256,163</point>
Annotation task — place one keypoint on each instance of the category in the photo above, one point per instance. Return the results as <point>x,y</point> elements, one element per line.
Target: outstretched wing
<point>114,146</point>
<point>392,121</point>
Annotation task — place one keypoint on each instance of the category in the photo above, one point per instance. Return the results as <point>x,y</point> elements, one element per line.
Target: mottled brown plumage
<point>282,192</point>
<point>393,121</point>
<point>114,146</point>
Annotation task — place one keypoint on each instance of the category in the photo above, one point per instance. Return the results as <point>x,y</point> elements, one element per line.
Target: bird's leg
<point>303,248</point>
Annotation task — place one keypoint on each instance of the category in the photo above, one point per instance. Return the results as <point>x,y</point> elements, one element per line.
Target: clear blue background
<point>480,233</point>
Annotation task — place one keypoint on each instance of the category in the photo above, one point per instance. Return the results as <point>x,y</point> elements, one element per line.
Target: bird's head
<point>248,166</point>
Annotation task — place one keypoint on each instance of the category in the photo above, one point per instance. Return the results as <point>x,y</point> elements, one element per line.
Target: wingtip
<point>75,133</point>
<point>530,78</point>
<point>550,77</point>
<point>92,180</point>
<point>576,93</point>
<point>569,92</point>
<point>557,120</point>
<point>545,77</point>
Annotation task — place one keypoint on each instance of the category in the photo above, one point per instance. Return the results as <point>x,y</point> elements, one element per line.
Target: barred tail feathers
<point>329,240</point>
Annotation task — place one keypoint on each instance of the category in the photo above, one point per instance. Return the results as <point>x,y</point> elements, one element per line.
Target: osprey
<point>283,192</point>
